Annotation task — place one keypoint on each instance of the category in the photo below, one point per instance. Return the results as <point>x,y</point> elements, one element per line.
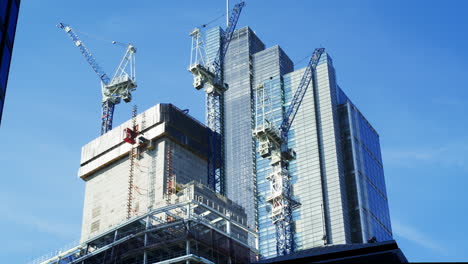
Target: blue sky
<point>403,63</point>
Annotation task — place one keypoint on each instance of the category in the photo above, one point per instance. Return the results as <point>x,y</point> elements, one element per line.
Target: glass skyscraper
<point>8,18</point>
<point>337,176</point>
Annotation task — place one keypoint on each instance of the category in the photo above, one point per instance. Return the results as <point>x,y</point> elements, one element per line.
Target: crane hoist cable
<point>101,38</point>
<point>212,21</point>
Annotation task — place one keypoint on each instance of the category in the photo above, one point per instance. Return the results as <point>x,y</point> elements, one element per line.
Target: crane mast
<point>210,78</point>
<point>273,145</point>
<point>113,90</point>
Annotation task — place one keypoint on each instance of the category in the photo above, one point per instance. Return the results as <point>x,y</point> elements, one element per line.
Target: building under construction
<point>155,184</point>
<point>134,167</point>
<point>195,226</point>
<point>147,200</point>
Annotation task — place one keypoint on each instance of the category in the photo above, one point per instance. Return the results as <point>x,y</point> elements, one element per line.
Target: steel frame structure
<point>210,77</point>
<point>113,90</point>
<point>185,232</point>
<point>273,145</point>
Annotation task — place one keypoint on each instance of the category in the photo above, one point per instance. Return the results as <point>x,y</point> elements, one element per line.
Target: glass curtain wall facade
<point>8,18</point>
<point>238,103</point>
<point>364,174</point>
<point>269,65</point>
<point>337,176</point>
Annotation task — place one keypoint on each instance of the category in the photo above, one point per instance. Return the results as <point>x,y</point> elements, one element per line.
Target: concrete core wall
<point>106,169</point>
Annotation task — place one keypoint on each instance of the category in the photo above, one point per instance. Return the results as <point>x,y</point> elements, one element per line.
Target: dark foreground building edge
<point>379,252</point>
<point>8,17</point>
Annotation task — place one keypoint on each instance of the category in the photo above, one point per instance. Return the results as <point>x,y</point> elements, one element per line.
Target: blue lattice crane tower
<point>122,84</point>
<point>210,77</point>
<point>273,145</point>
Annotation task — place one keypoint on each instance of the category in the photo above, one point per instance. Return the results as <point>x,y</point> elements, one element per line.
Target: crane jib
<point>86,53</point>
<point>227,37</point>
<point>119,87</point>
<point>300,91</point>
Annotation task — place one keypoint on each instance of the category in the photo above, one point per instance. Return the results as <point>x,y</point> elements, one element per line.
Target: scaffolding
<point>131,175</point>
<point>170,175</point>
<point>152,179</point>
<point>193,229</point>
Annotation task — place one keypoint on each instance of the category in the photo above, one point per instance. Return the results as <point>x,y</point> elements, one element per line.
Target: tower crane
<point>273,145</point>
<point>122,84</point>
<point>210,77</point>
